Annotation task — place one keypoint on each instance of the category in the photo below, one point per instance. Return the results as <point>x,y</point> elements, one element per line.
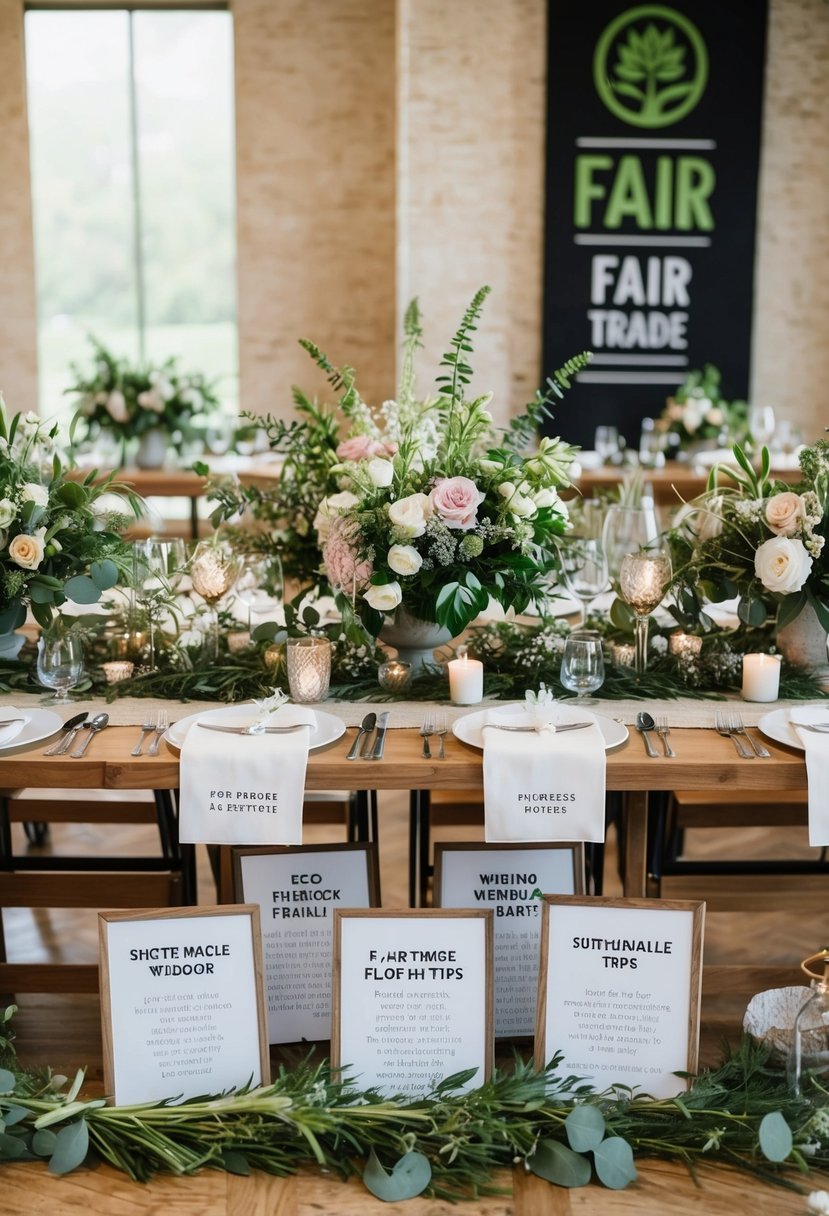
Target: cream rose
<point>331,507</point>
<point>151,400</point>
<point>27,550</point>
<point>381,472</point>
<point>456,501</point>
<point>384,598</point>
<point>404,559</point>
<point>7,512</point>
<point>411,514</point>
<point>32,492</point>
<point>547,497</point>
<point>784,513</point>
<point>116,404</point>
<point>708,524</point>
<point>782,564</point>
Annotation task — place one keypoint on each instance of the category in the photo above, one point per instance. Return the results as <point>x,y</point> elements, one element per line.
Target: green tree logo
<point>650,66</point>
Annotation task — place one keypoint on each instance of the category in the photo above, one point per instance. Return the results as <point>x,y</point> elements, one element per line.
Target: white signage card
<point>412,997</point>
<point>509,879</point>
<point>181,1002</point>
<point>297,891</point>
<point>619,990</point>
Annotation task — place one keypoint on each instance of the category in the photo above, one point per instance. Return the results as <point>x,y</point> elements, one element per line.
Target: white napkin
<point>10,732</point>
<point>817,769</point>
<point>244,789</point>
<point>541,784</point>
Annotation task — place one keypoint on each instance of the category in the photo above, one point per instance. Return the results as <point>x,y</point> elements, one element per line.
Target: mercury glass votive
<point>274,655</point>
<point>394,676</point>
<point>622,654</point>
<point>309,668</point>
<point>684,645</point>
<point>117,670</point>
<point>644,578</point>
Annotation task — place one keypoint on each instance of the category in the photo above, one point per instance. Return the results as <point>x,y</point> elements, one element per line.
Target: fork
<point>161,724</point>
<point>663,730</point>
<point>147,728</point>
<point>723,727</point>
<point>439,728</point>
<point>426,730</point>
<point>737,726</point>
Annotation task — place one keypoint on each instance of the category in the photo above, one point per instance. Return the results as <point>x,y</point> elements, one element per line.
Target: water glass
<point>761,423</point>
<point>59,664</point>
<point>309,668</point>
<point>584,566</point>
<point>582,664</point>
<point>651,445</point>
<point>606,443</point>
<point>260,588</point>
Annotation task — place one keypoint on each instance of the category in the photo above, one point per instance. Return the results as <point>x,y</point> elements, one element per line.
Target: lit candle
<point>622,654</point>
<point>309,668</point>
<point>761,677</point>
<point>466,679</point>
<point>687,645</point>
<point>394,676</point>
<point>117,670</point>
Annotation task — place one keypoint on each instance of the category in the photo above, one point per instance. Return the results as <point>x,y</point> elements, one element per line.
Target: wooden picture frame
<point>289,885</point>
<point>401,975</point>
<point>619,989</point>
<point>172,980</point>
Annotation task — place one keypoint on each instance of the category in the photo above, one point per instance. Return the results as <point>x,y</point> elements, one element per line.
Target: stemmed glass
<point>260,585</point>
<point>626,530</point>
<point>158,567</point>
<point>761,423</point>
<point>582,665</point>
<point>214,568</point>
<point>644,578</point>
<point>59,664</point>
<point>606,443</point>
<point>584,566</point>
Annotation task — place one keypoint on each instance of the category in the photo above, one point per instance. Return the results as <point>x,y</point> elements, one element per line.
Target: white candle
<point>761,677</point>
<point>466,679</point>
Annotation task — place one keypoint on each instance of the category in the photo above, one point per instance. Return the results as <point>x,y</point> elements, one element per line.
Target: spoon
<point>366,727</point>
<point>645,723</point>
<point>70,729</point>
<point>97,724</point>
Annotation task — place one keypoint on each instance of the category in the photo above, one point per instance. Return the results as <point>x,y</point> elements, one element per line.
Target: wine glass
<point>584,566</point>
<point>643,580</point>
<point>59,664</point>
<point>158,568</point>
<point>761,423</point>
<point>582,664</point>
<point>626,530</point>
<point>214,568</point>
<point>606,443</point>
<point>260,586</point>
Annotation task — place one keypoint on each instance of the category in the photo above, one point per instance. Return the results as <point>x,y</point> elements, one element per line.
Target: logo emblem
<point>650,66</point>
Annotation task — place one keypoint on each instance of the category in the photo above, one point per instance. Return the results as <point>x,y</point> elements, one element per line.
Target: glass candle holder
<point>622,654</point>
<point>117,670</point>
<point>684,645</point>
<point>309,668</point>
<point>394,676</point>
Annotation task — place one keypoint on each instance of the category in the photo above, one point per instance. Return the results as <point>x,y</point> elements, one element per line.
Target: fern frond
<point>461,372</point>
<point>412,334</point>
<point>523,428</point>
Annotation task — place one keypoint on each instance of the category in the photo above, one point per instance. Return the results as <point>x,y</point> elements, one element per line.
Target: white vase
<point>414,640</point>
<point>803,644</point>
<point>152,449</point>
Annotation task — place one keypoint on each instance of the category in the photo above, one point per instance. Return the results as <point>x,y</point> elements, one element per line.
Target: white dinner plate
<point>469,728</point>
<point>42,723</point>
<point>327,729</point>
<point>776,726</point>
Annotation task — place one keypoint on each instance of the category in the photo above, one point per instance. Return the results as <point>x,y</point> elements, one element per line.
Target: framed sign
<point>619,990</point>
<point>182,1005</point>
<point>297,890</point>
<point>509,879</point>
<point>412,996</point>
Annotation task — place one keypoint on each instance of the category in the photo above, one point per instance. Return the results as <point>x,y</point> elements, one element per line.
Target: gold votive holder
<point>238,641</point>
<point>274,655</point>
<point>684,645</point>
<point>309,668</point>
<point>117,670</point>
<point>394,676</point>
<point>622,654</point>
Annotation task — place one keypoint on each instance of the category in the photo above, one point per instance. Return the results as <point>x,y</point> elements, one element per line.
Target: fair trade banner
<point>619,990</point>
<point>297,891</point>
<point>182,1006</point>
<point>510,880</point>
<point>412,997</point>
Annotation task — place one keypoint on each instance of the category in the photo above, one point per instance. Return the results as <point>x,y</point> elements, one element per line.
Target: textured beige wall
<point>18,329</point>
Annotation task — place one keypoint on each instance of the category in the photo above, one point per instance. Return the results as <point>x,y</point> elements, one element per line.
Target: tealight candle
<point>761,677</point>
<point>466,679</point>
<point>686,645</point>
<point>622,654</point>
<point>309,668</point>
<point>394,676</point>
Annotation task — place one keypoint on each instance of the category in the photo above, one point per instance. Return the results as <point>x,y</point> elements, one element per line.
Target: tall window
<point>132,157</point>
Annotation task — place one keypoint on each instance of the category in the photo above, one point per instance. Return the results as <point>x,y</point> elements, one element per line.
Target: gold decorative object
<point>274,655</point>
<point>394,676</point>
<point>117,670</point>
<point>643,581</point>
<point>685,645</point>
<point>622,654</point>
<point>214,569</point>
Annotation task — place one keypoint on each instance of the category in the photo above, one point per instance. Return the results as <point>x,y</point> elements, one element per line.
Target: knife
<point>377,753</point>
<point>532,729</point>
<point>245,730</point>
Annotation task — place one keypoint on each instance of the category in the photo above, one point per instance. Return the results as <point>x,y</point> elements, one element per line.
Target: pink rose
<point>360,447</point>
<point>341,557</point>
<point>456,501</point>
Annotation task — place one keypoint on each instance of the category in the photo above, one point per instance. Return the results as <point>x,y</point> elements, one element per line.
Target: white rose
<point>384,598</point>
<point>784,513</point>
<point>117,406</point>
<point>32,492</point>
<point>27,550</point>
<point>411,514</point>
<point>328,508</point>
<point>381,472</point>
<point>7,512</point>
<point>490,466</point>
<point>708,524</point>
<point>522,506</point>
<point>545,498</point>
<point>782,564</point>
<point>404,559</point>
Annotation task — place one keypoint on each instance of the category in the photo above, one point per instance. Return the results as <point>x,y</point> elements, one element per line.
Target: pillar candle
<point>466,680</point>
<point>761,677</point>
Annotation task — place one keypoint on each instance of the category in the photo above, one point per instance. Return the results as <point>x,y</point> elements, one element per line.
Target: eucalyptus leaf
<point>11,1147</point>
<point>82,590</point>
<point>43,1142</point>
<point>10,645</point>
<point>12,617</point>
<point>776,1139</point>
<point>752,612</point>
<point>614,1163</point>
<point>409,1177</point>
<point>6,1081</point>
<point>71,1147</point>
<point>585,1127</point>
<point>40,593</point>
<point>559,1164</point>
<point>104,574</point>
<point>14,1114</point>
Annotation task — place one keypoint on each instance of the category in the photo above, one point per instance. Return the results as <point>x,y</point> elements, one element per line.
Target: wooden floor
<point>65,1033</point>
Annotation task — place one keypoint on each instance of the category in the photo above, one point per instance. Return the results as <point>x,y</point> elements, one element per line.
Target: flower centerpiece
<point>759,540</point>
<point>133,402</point>
<point>58,539</point>
<point>698,414</point>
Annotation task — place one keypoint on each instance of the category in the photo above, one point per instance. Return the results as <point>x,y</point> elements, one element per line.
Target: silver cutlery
<point>94,727</point>
<point>70,730</point>
<point>253,729</point>
<point>645,724</point>
<point>723,727</point>
<point>147,728</point>
<point>425,731</point>
<point>663,730</point>
<point>366,727</point>
<point>820,728</point>
<point>379,746</point>
<point>161,727</point>
<point>9,721</point>
<point>736,723</point>
<point>441,727</point>
<point>523,730</point>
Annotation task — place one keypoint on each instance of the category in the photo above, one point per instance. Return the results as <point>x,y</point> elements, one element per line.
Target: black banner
<point>654,120</point>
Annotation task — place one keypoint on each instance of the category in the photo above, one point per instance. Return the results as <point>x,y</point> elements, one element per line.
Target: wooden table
<point>672,485</point>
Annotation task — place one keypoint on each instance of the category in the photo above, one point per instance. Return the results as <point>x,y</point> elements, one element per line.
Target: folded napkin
<point>539,784</point>
<point>816,747</point>
<point>10,732</point>
<point>244,789</point>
